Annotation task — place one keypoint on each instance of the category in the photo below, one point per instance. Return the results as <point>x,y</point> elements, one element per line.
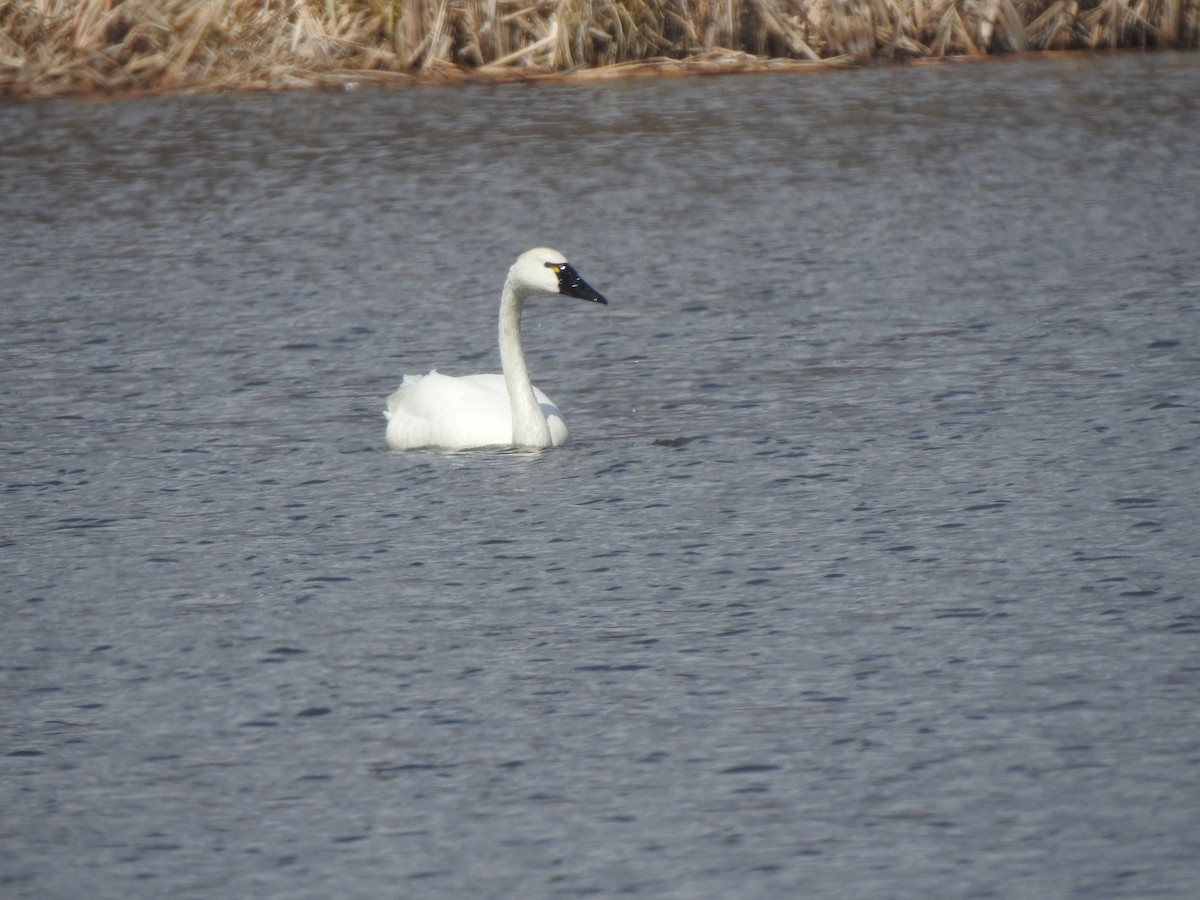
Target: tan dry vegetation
<point>52,47</point>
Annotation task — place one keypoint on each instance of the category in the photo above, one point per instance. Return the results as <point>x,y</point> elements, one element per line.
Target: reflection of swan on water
<point>490,410</point>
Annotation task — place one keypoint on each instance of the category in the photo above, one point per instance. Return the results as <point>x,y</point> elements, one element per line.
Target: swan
<point>461,413</point>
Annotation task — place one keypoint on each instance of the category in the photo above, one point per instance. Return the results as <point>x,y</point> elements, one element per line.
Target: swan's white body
<point>506,410</point>
<point>436,410</point>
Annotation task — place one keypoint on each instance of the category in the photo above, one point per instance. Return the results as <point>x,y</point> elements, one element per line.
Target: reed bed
<point>50,47</point>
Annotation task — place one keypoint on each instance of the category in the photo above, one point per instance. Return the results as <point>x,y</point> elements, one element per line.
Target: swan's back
<point>449,413</point>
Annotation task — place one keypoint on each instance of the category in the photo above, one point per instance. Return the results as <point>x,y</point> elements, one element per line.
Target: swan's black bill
<point>571,284</point>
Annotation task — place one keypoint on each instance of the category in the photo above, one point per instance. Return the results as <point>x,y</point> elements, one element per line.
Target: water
<point>870,570</point>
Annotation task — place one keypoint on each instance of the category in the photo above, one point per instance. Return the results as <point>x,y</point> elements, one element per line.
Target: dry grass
<point>71,46</point>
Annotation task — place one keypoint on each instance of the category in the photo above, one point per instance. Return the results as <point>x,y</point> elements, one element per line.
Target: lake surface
<point>871,569</point>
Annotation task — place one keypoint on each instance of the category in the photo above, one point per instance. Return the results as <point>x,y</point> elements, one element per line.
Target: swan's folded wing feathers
<point>397,397</point>
<point>440,411</point>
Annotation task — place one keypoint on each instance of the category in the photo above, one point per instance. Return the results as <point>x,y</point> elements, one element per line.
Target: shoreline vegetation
<point>72,47</point>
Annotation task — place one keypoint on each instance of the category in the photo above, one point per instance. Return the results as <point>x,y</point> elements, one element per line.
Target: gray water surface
<point>871,569</point>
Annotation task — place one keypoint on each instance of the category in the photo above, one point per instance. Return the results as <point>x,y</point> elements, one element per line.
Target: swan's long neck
<point>529,427</point>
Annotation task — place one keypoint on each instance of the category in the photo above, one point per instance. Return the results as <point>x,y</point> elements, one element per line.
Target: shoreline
<point>136,48</point>
<point>357,80</point>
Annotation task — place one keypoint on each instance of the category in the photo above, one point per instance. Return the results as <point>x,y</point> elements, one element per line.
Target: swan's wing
<point>395,399</point>
<point>453,413</point>
<point>437,410</point>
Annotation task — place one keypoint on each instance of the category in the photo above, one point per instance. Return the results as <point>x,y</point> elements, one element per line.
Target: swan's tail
<point>394,400</point>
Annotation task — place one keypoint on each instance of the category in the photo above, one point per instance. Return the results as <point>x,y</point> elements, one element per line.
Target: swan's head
<point>546,271</point>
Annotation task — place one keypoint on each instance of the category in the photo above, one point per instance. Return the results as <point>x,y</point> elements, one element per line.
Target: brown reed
<point>52,47</point>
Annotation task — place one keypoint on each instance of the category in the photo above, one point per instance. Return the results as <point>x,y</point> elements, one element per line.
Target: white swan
<point>490,410</point>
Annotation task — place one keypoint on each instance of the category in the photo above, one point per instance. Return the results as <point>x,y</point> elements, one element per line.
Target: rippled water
<point>871,569</point>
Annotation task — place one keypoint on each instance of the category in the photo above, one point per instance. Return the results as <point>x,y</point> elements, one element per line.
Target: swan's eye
<point>554,267</point>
